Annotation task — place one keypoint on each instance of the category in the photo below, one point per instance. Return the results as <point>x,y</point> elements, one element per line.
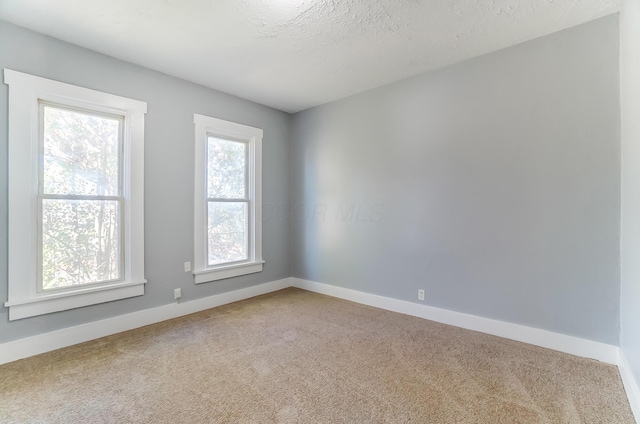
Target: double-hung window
<point>75,196</point>
<point>228,187</point>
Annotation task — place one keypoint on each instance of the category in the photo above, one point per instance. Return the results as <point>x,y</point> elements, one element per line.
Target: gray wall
<point>494,184</point>
<point>169,159</point>
<point>630,226</point>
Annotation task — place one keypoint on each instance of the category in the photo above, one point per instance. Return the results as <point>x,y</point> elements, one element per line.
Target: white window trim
<point>204,126</point>
<point>25,92</point>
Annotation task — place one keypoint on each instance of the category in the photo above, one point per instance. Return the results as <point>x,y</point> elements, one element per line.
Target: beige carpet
<point>299,357</point>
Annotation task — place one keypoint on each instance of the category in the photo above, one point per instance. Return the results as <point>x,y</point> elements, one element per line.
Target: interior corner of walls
<point>560,342</point>
<point>630,383</point>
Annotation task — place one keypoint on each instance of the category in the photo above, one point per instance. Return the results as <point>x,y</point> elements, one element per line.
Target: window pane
<point>81,153</point>
<point>80,242</point>
<point>227,232</point>
<point>226,168</point>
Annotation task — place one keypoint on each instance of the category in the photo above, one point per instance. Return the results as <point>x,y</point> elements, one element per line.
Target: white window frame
<point>26,92</point>
<point>207,126</point>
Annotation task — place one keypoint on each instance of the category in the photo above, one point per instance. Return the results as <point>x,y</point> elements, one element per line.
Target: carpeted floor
<point>299,357</point>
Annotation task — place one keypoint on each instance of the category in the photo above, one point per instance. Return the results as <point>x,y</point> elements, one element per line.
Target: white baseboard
<point>30,346</point>
<point>630,385</point>
<point>563,343</point>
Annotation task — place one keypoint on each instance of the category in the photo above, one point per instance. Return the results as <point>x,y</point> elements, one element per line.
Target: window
<point>228,194</point>
<point>75,196</point>
<point>79,198</point>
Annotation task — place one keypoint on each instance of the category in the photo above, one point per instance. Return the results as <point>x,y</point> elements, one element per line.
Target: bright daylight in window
<point>228,195</point>
<point>75,196</point>
<point>80,200</point>
<point>227,202</point>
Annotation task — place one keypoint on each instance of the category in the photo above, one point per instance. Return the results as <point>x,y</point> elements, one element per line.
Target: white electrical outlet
<point>420,294</point>
<point>187,266</point>
<point>177,293</point>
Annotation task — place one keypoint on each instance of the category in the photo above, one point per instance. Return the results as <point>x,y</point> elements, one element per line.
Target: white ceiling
<point>296,54</point>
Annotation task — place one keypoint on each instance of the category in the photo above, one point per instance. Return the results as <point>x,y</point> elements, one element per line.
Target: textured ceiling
<point>295,54</point>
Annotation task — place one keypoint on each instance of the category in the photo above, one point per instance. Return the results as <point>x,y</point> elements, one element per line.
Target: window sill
<point>47,303</point>
<point>220,273</point>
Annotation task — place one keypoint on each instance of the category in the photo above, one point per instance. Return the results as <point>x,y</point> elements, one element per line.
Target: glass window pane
<point>226,168</point>
<point>227,231</point>
<point>80,242</point>
<point>81,153</point>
